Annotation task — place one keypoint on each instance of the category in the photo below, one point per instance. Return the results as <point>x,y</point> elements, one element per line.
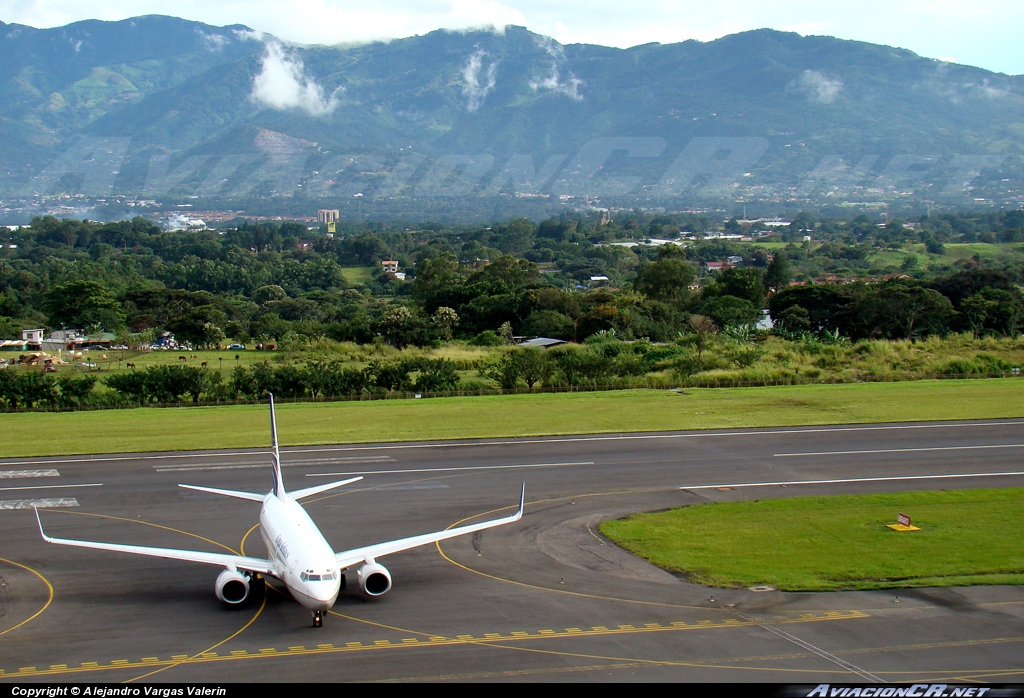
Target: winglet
<point>47,538</point>
<point>522,502</point>
<point>279,490</point>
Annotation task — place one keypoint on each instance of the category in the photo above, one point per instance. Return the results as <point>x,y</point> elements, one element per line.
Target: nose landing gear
<point>318,619</point>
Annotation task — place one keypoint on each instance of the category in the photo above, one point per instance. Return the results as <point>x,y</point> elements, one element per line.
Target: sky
<point>983,33</point>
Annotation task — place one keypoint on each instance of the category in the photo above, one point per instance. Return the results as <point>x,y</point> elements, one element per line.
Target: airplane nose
<point>322,601</point>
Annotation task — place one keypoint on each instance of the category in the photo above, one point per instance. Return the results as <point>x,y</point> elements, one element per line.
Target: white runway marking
<point>292,464</point>
<point>465,444</point>
<point>822,653</point>
<point>849,479</point>
<point>11,474</point>
<point>414,486</point>
<point>48,487</point>
<point>448,470</point>
<point>10,504</point>
<point>896,450</point>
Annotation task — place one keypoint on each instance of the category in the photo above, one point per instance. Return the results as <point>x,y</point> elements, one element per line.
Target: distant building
<point>543,342</point>
<point>390,266</point>
<point>327,215</point>
<point>33,336</point>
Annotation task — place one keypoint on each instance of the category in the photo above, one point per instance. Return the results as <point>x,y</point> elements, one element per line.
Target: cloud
<point>817,87</point>
<point>479,80</point>
<point>283,84</point>
<point>570,86</point>
<point>985,89</point>
<point>213,42</point>
<point>248,35</point>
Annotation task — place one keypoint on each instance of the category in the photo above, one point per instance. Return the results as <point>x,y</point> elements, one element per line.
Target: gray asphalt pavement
<point>546,599</point>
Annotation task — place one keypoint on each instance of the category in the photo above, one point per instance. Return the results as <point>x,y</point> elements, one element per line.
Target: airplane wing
<point>241,562</point>
<point>347,558</point>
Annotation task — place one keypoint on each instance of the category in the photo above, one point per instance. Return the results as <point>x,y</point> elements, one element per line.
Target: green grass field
<point>358,275</point>
<point>833,543</point>
<point>116,361</point>
<point>185,428</point>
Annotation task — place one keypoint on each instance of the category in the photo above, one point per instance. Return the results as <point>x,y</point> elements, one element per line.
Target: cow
<point>182,358</point>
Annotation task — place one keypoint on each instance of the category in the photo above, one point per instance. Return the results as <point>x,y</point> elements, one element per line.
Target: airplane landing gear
<point>318,619</point>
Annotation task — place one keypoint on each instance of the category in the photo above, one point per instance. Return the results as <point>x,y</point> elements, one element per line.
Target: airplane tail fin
<point>279,490</point>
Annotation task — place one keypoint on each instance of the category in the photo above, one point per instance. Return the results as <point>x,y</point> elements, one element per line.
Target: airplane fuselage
<point>305,561</point>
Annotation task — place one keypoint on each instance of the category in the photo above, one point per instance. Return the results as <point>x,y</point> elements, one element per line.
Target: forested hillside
<point>470,123</point>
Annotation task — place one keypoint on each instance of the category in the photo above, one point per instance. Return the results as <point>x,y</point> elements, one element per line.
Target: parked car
<point>236,346</point>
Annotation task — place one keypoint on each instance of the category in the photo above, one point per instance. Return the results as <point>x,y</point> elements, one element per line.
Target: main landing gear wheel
<point>318,619</point>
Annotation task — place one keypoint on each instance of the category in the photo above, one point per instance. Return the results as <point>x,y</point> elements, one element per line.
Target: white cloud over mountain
<point>283,84</point>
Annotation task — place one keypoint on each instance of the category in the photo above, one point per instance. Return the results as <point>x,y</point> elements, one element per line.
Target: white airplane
<point>299,555</point>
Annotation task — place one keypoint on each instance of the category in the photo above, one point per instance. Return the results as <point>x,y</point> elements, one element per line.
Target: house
<point>390,266</point>
<point>714,266</point>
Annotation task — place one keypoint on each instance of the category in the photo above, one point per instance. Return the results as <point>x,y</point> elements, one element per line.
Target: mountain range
<point>159,108</point>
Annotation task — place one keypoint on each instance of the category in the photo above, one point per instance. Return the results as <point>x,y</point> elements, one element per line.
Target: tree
<point>199,327</point>
<point>741,282</point>
<point>730,311</point>
<point>270,292</point>
<point>576,366</point>
<point>85,304</point>
<point>445,319</point>
<point>777,275</point>
<point>704,331</point>
<point>903,311</point>
<point>976,309</point>
<point>666,280</point>
<point>438,283</point>
<point>526,364</point>
<point>402,327</point>
<point>794,319</point>
<point>435,376</point>
<point>549,323</point>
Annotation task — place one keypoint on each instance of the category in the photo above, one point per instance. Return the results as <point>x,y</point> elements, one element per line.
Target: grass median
<point>837,543</point>
<point>193,428</point>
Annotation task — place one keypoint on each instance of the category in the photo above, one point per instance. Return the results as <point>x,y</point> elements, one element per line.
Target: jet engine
<point>233,586</point>
<point>374,579</point>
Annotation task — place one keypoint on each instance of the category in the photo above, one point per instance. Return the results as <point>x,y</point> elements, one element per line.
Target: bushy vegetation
<point>702,356</point>
<point>663,319</point>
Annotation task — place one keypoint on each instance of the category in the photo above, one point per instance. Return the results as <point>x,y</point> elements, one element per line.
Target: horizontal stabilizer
<point>228,493</point>
<point>317,489</point>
